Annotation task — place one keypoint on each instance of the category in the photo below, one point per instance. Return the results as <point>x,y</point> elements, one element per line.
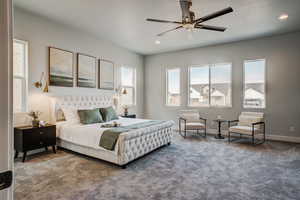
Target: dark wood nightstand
<point>129,116</point>
<point>29,138</point>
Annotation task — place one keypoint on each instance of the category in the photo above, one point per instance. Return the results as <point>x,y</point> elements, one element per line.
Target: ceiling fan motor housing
<point>187,15</point>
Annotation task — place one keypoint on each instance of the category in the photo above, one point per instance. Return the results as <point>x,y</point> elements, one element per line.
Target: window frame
<point>265,83</point>
<point>129,86</point>
<point>209,82</point>
<point>167,86</point>
<point>24,78</point>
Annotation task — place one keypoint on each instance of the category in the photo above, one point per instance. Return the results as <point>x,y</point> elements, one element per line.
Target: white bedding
<point>89,135</point>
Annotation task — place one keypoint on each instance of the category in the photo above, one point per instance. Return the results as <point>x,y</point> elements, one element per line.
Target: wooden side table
<point>29,138</point>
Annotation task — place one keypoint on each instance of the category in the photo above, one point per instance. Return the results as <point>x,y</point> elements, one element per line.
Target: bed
<point>84,139</point>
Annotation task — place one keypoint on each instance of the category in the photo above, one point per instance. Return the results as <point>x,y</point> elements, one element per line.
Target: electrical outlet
<point>292,129</point>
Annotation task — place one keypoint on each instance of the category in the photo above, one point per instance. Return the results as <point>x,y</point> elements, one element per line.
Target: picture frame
<point>106,74</point>
<point>86,71</point>
<point>60,70</point>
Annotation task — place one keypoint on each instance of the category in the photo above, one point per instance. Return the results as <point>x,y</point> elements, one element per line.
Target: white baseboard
<point>280,138</point>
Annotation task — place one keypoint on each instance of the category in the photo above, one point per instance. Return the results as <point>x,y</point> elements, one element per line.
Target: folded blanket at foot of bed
<point>110,137</point>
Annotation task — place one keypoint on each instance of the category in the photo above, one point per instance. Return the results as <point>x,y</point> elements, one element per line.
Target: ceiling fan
<point>188,19</point>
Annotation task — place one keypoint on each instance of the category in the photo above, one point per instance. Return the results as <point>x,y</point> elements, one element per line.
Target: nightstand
<point>29,138</point>
<point>129,116</point>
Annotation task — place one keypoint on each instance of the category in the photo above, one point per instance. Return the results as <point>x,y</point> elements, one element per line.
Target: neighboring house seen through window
<point>210,85</point>
<point>20,65</point>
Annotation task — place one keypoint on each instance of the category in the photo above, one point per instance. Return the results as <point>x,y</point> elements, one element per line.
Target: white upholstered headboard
<point>79,102</point>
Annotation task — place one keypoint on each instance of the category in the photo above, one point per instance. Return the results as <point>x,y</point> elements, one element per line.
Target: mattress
<point>89,135</point>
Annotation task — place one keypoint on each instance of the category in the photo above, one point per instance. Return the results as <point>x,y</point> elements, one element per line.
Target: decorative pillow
<point>60,116</point>
<point>71,115</point>
<point>108,114</point>
<point>90,116</point>
<point>248,120</point>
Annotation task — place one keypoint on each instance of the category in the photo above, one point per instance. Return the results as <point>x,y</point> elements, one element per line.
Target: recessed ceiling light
<point>157,42</point>
<point>283,17</point>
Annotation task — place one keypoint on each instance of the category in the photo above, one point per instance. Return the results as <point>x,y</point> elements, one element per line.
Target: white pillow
<point>71,115</point>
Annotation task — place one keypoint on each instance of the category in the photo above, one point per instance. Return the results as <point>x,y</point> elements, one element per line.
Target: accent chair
<point>191,120</point>
<point>250,124</point>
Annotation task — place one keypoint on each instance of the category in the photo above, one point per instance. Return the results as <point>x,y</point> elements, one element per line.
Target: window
<point>254,84</point>
<point>173,87</point>
<point>210,85</point>
<point>220,82</point>
<point>128,77</point>
<point>20,62</point>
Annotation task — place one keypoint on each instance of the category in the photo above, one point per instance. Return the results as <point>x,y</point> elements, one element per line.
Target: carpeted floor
<point>193,168</point>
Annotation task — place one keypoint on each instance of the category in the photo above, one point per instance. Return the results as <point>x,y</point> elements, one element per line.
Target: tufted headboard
<point>80,102</point>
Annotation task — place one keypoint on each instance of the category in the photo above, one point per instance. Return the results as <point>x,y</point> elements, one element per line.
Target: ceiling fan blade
<point>162,21</point>
<point>214,15</point>
<point>161,34</point>
<point>211,28</point>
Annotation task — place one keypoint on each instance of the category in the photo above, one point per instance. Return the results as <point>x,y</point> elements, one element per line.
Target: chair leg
<point>229,136</point>
<point>253,141</point>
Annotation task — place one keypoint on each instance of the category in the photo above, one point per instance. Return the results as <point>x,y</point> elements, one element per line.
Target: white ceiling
<point>123,21</point>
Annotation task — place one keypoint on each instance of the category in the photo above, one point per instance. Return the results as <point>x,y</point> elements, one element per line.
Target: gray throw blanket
<point>110,137</point>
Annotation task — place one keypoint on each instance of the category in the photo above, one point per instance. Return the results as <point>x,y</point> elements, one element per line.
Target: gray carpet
<point>189,169</point>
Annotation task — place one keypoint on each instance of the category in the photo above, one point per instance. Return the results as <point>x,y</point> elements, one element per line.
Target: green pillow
<point>90,116</point>
<point>108,114</point>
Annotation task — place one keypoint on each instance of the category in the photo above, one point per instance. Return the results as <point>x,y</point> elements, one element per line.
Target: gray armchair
<point>191,120</point>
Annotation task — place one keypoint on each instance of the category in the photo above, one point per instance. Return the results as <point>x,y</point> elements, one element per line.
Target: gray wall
<point>282,54</point>
<point>42,33</point>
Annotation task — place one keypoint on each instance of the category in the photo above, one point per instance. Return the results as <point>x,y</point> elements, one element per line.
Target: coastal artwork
<point>86,71</point>
<point>60,67</point>
<point>106,74</point>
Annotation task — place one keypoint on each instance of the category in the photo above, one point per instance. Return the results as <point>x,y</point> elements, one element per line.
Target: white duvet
<point>88,135</point>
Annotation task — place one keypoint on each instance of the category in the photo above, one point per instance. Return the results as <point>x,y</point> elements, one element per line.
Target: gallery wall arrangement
<point>61,73</point>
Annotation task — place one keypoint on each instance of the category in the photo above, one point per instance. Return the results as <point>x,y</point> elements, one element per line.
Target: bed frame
<point>129,146</point>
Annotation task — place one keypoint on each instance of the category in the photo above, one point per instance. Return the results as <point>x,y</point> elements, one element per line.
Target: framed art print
<point>106,74</point>
<point>86,71</point>
<point>60,67</point>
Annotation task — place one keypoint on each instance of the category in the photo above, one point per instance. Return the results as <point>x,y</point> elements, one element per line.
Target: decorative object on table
<point>86,71</point>
<point>35,118</point>
<point>111,125</point>
<point>29,138</point>
<point>106,74</point>
<point>42,123</point>
<point>125,107</point>
<point>219,120</point>
<point>250,124</point>
<point>39,84</point>
<point>129,116</point>
<point>191,120</point>
<point>60,67</point>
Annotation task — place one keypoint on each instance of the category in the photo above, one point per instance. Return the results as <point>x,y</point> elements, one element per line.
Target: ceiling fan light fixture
<point>283,17</point>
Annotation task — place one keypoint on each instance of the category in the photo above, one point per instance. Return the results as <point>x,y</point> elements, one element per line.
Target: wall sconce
<point>39,84</point>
